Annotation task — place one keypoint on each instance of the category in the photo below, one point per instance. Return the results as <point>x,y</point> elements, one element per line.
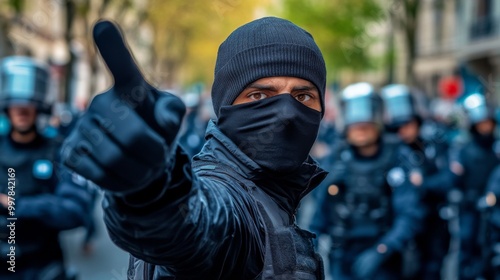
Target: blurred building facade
<point>458,32</point>
<point>58,33</point>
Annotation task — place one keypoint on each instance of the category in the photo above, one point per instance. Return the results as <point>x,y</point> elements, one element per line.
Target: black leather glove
<point>367,263</point>
<point>123,140</point>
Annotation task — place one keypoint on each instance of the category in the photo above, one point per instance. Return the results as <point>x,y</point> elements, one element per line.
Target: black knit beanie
<point>267,47</point>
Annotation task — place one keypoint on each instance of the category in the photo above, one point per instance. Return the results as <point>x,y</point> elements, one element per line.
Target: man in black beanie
<point>230,212</point>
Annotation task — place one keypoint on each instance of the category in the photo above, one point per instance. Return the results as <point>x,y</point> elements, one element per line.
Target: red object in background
<point>451,87</point>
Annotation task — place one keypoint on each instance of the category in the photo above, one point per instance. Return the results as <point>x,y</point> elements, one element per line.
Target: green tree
<point>340,28</point>
<point>10,11</point>
<point>187,35</point>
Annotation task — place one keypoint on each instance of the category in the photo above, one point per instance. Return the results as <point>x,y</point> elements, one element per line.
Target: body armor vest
<point>363,203</point>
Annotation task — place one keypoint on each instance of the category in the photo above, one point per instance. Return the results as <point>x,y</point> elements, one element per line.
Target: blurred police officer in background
<point>46,198</point>
<point>404,116</point>
<point>368,206</point>
<point>61,122</point>
<point>472,168</point>
<point>192,132</point>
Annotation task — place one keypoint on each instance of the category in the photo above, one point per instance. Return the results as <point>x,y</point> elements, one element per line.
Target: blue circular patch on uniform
<point>42,169</point>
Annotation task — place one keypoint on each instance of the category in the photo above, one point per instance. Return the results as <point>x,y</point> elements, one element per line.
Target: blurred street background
<point>103,260</point>
<point>420,43</point>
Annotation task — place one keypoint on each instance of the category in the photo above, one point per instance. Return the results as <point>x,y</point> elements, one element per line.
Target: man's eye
<point>303,97</point>
<point>257,96</point>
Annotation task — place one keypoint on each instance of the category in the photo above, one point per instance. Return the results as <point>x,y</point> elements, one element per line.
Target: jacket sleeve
<point>440,182</point>
<point>196,226</point>
<point>407,207</point>
<point>408,214</point>
<point>323,216</point>
<point>68,207</point>
<point>457,157</point>
<point>494,182</point>
<point>494,187</point>
<point>320,222</point>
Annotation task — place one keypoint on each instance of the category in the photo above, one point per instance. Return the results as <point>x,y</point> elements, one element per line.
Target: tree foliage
<point>187,35</point>
<point>341,28</point>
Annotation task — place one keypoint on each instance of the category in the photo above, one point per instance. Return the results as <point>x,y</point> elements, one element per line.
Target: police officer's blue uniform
<point>429,157</point>
<point>478,158</point>
<point>367,206</point>
<point>46,198</point>
<point>491,207</point>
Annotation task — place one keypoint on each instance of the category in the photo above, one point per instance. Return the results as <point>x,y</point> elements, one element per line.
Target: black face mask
<point>277,132</point>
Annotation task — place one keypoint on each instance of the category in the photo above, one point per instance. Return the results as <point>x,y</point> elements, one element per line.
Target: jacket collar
<point>287,190</point>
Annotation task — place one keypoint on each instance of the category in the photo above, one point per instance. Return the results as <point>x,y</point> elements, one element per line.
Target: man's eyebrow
<point>271,87</point>
<point>311,87</point>
<point>261,86</point>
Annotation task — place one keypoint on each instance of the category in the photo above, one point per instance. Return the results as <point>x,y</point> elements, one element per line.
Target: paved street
<point>106,262</point>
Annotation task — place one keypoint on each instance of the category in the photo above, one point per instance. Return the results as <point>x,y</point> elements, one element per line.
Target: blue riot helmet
<point>477,109</point>
<point>23,80</point>
<point>399,106</point>
<point>361,104</point>
<point>402,105</point>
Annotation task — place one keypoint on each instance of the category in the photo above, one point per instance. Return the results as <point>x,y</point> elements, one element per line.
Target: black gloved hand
<point>367,263</point>
<point>122,141</point>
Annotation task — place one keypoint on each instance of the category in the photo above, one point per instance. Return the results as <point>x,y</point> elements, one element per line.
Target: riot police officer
<point>368,206</point>
<point>38,198</point>
<point>193,131</point>
<point>429,157</point>
<point>472,167</point>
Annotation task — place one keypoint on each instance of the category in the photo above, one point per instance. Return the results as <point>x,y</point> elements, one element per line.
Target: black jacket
<point>219,217</point>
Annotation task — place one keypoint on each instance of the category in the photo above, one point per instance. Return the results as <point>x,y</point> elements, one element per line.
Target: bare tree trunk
<point>390,51</point>
<point>6,47</point>
<point>66,84</point>
<point>411,11</point>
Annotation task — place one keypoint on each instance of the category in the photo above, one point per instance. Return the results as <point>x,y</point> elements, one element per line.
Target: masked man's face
<point>302,90</point>
<point>274,121</point>
<point>22,118</point>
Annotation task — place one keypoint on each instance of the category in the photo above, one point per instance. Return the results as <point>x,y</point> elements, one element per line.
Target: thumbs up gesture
<point>122,142</point>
